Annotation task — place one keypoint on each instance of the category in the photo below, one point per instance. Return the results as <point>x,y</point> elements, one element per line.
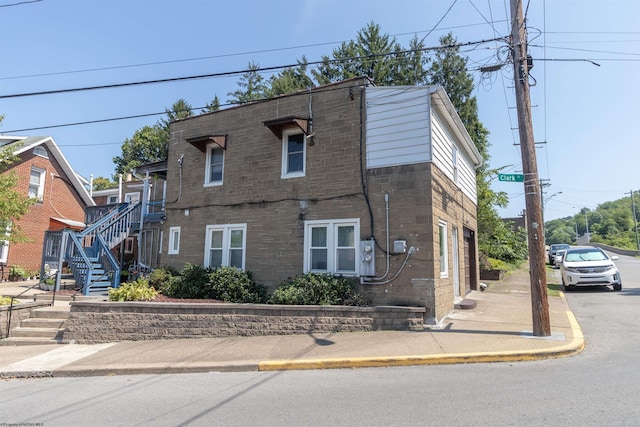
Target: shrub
<point>318,289</point>
<point>7,300</point>
<point>133,291</point>
<point>230,284</point>
<point>160,278</point>
<point>190,283</point>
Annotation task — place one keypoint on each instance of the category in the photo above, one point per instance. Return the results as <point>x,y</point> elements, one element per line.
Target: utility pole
<point>533,200</point>
<point>635,220</point>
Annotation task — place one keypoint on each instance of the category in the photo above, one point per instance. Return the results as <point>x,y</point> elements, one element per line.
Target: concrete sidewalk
<point>497,329</point>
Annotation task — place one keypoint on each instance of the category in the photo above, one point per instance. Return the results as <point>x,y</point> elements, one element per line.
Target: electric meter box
<point>367,258</point>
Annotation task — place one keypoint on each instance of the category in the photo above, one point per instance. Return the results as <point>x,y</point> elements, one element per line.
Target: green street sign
<point>511,177</point>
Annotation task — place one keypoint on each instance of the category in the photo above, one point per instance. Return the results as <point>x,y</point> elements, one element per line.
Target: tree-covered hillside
<point>611,223</point>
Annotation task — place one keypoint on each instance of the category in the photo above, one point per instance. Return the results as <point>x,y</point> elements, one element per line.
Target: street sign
<point>511,177</point>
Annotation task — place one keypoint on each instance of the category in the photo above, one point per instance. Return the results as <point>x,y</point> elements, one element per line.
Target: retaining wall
<point>19,312</point>
<point>97,322</point>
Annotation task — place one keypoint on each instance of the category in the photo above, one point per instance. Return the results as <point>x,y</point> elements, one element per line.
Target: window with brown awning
<point>278,125</point>
<point>201,142</point>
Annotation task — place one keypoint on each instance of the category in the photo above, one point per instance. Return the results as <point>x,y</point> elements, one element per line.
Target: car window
<point>578,256</point>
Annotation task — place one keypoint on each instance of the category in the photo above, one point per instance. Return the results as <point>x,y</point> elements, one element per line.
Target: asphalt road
<point>599,386</point>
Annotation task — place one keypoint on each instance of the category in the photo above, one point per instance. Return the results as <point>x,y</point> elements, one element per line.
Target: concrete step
<point>58,312</point>
<point>30,332</point>
<point>39,322</point>
<point>12,341</point>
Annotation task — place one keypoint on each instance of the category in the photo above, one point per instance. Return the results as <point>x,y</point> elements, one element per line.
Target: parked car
<point>554,248</point>
<point>559,256</point>
<point>589,266</point>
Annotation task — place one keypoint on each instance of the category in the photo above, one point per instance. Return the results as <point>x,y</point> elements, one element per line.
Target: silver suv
<point>553,249</point>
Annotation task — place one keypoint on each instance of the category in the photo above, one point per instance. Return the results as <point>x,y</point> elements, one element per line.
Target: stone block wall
<point>96,322</point>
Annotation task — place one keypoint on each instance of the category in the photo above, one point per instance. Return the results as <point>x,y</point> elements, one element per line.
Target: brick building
<point>348,178</point>
<point>45,174</point>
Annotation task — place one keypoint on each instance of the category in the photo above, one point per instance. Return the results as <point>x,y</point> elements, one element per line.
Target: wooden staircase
<point>44,326</point>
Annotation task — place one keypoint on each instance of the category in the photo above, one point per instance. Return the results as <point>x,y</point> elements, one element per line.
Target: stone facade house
<point>44,174</point>
<point>351,179</point>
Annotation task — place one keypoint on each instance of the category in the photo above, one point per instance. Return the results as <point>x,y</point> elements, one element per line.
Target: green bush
<point>230,284</point>
<point>190,283</point>
<point>318,289</point>
<point>133,291</point>
<point>160,278</point>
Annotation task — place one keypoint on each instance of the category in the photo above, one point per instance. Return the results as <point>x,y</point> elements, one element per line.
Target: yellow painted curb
<point>576,345</point>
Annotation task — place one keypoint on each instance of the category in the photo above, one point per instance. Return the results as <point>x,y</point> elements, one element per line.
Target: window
<point>112,199</point>
<point>36,183</point>
<point>4,250</point>
<point>330,246</point>
<point>444,251</point>
<point>293,154</point>
<point>225,245</point>
<point>132,197</point>
<point>40,151</point>
<point>128,245</point>
<point>174,240</point>
<point>215,163</point>
<point>4,246</point>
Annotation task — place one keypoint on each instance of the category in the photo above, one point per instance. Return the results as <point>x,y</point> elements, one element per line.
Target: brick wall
<point>275,209</point>
<point>60,200</point>
<point>96,322</point>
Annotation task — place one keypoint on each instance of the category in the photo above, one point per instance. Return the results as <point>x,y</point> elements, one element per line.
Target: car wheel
<point>617,287</point>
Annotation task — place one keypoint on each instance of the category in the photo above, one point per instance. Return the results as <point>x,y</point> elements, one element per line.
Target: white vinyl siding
<point>397,129</point>
<point>405,127</point>
<point>443,146</point>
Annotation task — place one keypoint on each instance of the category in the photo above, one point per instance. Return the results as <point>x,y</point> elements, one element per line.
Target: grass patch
<point>553,290</point>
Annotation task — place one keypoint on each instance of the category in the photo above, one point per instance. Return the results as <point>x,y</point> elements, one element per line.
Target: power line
<point>20,3</point>
<point>228,55</point>
<point>231,73</point>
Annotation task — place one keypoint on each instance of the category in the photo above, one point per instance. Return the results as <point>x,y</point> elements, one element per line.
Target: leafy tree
<point>13,203</point>
<point>150,143</point>
<point>255,88</point>
<point>101,183</point>
<point>147,145</point>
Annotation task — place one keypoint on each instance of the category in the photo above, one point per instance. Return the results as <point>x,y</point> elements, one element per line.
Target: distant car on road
<point>554,248</point>
<point>557,259</point>
<point>589,266</point>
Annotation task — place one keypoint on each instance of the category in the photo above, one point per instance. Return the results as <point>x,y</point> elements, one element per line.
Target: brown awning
<point>201,142</point>
<point>62,223</point>
<point>277,125</point>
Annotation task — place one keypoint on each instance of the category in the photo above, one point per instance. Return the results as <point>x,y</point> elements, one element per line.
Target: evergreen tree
<point>212,106</point>
<point>253,87</point>
<point>290,80</point>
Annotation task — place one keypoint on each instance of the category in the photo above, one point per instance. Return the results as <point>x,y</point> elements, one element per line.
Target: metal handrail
<point>10,314</point>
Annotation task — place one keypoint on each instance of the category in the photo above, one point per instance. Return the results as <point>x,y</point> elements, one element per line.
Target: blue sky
<point>585,114</point>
